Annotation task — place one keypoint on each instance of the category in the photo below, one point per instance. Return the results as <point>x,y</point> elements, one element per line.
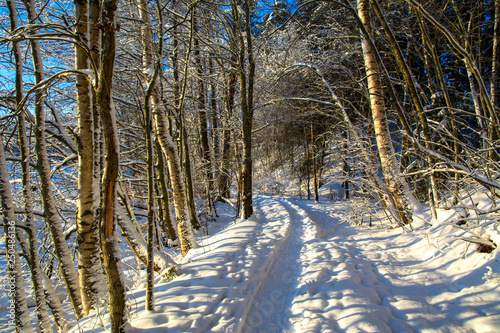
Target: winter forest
<point>250,166</point>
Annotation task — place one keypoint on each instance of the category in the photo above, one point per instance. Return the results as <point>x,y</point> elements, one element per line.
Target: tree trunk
<point>185,231</point>
<point>308,172</point>
<point>494,91</point>
<point>90,268</point>
<point>246,94</point>
<point>51,215</point>
<point>18,307</point>
<point>206,159</point>
<point>148,131</point>
<point>410,82</point>
<point>34,263</point>
<point>193,217</point>
<point>109,240</point>
<point>137,242</point>
<point>215,126</point>
<point>313,153</point>
<point>225,180</point>
<point>386,150</point>
<point>168,223</point>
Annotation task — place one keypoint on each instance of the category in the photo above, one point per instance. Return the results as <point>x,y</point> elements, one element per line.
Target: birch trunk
<point>410,82</point>
<point>138,243</point>
<point>215,125</point>
<point>51,215</point>
<point>18,307</point>
<point>34,263</point>
<point>147,59</point>
<point>168,224</point>
<point>377,105</point>
<point>169,149</point>
<point>90,270</point>
<point>109,240</point>
<point>193,217</point>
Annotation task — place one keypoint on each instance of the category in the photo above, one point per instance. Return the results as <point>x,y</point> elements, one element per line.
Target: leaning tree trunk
<point>18,309</point>
<point>168,224</point>
<point>193,217</point>
<point>109,239</point>
<point>410,82</point>
<point>169,149</point>
<point>49,204</point>
<point>136,240</point>
<point>380,124</point>
<point>34,263</point>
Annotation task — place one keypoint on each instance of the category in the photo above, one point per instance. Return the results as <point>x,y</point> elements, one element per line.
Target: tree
<point>109,241</point>
<point>51,215</point>
<point>34,263</point>
<point>169,149</point>
<point>15,275</point>
<point>90,269</point>
<point>390,168</point>
<point>247,77</point>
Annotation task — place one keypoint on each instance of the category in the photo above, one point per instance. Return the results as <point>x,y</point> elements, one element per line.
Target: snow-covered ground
<point>300,266</point>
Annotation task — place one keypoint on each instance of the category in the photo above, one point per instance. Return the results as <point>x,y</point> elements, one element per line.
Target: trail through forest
<point>298,266</point>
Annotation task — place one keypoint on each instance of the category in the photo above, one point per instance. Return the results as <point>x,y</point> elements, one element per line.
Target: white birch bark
<point>51,215</point>
<point>138,244</point>
<point>390,167</point>
<point>18,307</point>
<point>34,263</point>
<point>169,149</point>
<point>148,66</point>
<point>90,270</point>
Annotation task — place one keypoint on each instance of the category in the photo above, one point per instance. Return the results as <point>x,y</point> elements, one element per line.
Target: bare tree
<point>90,268</point>
<point>390,168</point>
<point>51,215</point>
<point>109,240</point>
<point>15,273</point>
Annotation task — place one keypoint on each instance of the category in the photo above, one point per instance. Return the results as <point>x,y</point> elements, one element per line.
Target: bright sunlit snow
<point>301,266</point>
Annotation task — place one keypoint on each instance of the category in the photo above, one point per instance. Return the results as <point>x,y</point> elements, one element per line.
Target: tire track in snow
<point>268,305</point>
<point>363,293</point>
<point>331,295</point>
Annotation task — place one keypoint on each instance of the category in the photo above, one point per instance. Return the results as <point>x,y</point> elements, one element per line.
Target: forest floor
<point>299,266</point>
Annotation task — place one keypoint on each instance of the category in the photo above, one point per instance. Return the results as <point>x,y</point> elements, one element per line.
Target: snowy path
<point>348,290</point>
<point>294,267</point>
<point>266,308</point>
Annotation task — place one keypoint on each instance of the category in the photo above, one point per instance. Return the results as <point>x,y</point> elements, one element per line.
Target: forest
<point>129,129</point>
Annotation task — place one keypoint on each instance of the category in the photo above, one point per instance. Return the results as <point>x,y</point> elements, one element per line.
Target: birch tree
<point>66,265</point>
<point>390,168</point>
<point>90,269</point>
<point>34,263</point>
<point>148,129</point>
<point>15,282</point>
<point>170,151</point>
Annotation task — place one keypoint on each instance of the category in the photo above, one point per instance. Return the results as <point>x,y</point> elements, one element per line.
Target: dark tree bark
<point>109,240</point>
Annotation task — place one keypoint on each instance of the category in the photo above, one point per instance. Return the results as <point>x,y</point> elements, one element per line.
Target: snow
<point>300,266</point>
